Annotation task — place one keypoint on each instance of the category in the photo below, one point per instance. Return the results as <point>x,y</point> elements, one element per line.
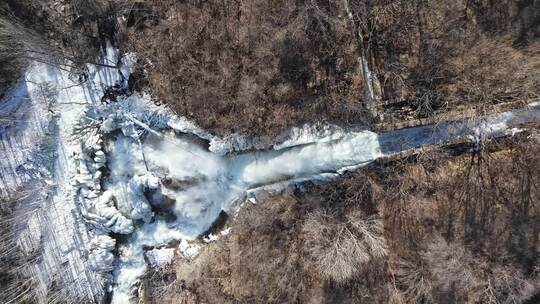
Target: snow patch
<point>161,257</point>
<point>237,143</point>
<point>210,238</point>
<point>189,251</point>
<point>309,134</point>
<point>225,232</point>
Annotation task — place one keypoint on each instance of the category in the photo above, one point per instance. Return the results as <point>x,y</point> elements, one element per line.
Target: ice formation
<point>189,251</point>
<point>160,257</point>
<point>131,167</point>
<point>52,154</point>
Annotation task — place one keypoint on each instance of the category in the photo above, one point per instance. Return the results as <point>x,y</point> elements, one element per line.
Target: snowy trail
<point>127,167</point>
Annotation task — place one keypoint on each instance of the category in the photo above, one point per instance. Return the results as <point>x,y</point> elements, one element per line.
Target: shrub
<point>340,248</point>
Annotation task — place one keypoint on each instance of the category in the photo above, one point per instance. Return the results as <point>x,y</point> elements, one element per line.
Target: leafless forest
<point>457,224</point>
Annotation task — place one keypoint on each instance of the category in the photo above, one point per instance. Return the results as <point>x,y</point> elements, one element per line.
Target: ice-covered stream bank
<point>131,167</point>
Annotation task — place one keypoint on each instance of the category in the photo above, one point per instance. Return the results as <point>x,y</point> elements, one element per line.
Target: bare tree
<point>21,43</point>
<point>339,248</point>
<point>16,286</point>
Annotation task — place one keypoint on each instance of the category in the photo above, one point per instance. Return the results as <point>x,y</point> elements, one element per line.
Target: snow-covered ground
<point>40,155</point>
<point>128,167</point>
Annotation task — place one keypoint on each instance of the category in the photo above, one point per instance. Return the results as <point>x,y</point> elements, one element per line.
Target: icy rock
<point>109,217</point>
<point>84,179</point>
<point>188,250</point>
<point>33,234</point>
<point>100,158</point>
<point>101,257</point>
<point>235,142</point>
<point>160,257</point>
<point>104,242</point>
<point>210,238</point>
<point>109,124</point>
<point>140,206</point>
<point>97,145</point>
<point>101,260</point>
<point>225,232</point>
<point>91,195</point>
<point>117,223</point>
<point>128,65</point>
<point>129,130</point>
<point>251,196</point>
<point>310,134</point>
